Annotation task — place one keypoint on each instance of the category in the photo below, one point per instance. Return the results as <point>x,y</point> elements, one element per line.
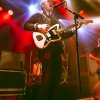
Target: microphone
<point>55,6</point>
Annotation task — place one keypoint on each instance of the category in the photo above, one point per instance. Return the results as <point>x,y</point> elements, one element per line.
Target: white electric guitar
<point>53,35</point>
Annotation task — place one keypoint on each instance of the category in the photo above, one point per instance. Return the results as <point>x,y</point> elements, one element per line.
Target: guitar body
<point>39,42</point>
<point>43,40</point>
<point>53,35</point>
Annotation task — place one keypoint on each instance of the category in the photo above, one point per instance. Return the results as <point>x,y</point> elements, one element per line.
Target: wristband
<point>36,26</point>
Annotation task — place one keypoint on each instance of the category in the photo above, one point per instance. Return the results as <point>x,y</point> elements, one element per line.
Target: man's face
<point>47,8</point>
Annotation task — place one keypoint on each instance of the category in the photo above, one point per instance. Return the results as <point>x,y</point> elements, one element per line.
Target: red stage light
<point>1,8</point>
<point>83,13</point>
<point>6,16</point>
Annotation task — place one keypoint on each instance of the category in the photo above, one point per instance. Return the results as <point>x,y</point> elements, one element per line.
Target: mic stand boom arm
<point>76,16</point>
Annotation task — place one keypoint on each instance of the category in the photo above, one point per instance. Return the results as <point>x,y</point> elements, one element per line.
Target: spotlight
<point>32,9</point>
<point>10,12</point>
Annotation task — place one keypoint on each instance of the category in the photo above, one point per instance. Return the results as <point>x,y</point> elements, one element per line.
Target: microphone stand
<point>76,16</point>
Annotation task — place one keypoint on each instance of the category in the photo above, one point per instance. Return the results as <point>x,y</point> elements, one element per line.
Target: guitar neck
<point>71,26</point>
<point>65,28</point>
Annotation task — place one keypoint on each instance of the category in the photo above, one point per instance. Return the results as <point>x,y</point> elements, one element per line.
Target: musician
<point>95,55</point>
<point>50,56</point>
<point>94,68</point>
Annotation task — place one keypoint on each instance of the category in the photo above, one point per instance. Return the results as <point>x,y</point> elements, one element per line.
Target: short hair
<point>42,1</point>
<point>42,4</point>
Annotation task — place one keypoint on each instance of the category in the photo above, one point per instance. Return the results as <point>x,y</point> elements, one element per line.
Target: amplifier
<point>12,60</point>
<point>12,82</point>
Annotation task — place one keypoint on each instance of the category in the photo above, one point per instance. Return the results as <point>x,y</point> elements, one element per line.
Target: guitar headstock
<point>87,22</point>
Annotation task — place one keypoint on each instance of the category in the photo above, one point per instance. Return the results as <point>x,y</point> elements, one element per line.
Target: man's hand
<point>78,26</point>
<point>43,28</point>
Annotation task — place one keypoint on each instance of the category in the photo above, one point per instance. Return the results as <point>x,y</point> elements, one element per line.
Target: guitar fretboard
<point>65,28</point>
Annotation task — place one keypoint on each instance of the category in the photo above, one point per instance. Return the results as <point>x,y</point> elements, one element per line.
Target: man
<point>95,77</point>
<point>50,56</point>
<point>95,54</point>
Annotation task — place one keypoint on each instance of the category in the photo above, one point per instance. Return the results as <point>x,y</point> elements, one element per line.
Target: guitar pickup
<point>54,32</point>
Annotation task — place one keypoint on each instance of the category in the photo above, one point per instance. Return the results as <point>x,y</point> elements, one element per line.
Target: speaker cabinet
<point>12,82</point>
<point>12,73</point>
<point>86,98</point>
<point>12,60</point>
